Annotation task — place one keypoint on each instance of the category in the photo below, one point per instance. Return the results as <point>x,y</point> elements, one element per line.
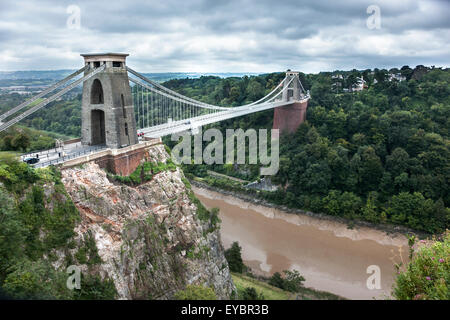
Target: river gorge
<point>327,253</point>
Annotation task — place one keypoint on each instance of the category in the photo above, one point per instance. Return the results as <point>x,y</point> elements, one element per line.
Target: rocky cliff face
<point>149,238</point>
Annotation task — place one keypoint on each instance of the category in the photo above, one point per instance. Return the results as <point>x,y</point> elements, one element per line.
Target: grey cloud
<point>218,35</point>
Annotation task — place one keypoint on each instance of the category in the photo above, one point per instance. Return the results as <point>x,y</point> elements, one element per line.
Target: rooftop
<point>104,54</point>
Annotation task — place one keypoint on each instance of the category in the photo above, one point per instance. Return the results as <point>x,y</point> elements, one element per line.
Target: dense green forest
<point>381,154</point>
<point>61,116</point>
<point>33,224</point>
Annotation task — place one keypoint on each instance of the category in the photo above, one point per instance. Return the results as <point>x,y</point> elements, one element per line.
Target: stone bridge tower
<point>287,118</point>
<point>107,112</point>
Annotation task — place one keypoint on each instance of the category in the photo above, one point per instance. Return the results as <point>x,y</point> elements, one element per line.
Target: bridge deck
<point>73,152</point>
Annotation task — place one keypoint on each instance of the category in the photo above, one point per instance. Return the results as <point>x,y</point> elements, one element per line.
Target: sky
<point>226,36</point>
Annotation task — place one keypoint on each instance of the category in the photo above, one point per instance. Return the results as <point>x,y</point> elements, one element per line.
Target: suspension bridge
<point>120,104</point>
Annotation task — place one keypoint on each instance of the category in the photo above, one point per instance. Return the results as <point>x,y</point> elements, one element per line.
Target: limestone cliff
<point>151,240</point>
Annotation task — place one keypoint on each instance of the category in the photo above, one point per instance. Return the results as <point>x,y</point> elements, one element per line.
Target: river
<point>330,256</point>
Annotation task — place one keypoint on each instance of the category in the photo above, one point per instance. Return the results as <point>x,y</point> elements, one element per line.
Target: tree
<point>370,212</point>
<point>397,162</point>
<point>351,80</point>
<point>7,142</point>
<point>292,280</point>
<point>235,93</point>
<point>359,139</point>
<point>370,169</point>
<point>94,288</point>
<point>350,205</point>
<point>38,123</point>
<point>12,234</point>
<point>317,178</point>
<point>413,210</point>
<point>36,280</point>
<point>337,123</point>
<point>21,141</point>
<point>407,72</point>
<point>255,90</point>
<point>233,256</point>
<point>276,280</point>
<point>380,75</point>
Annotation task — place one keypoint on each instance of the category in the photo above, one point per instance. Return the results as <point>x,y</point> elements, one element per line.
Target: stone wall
<point>122,164</point>
<point>289,117</point>
<point>118,161</point>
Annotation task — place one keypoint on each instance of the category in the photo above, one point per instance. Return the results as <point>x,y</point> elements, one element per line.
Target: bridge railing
<point>43,152</point>
<point>46,152</point>
<point>69,156</point>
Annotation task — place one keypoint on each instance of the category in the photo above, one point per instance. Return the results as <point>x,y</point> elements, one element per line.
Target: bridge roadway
<point>59,155</point>
<point>68,152</point>
<point>194,123</point>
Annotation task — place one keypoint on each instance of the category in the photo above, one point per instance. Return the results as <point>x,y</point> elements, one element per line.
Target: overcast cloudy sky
<point>225,36</point>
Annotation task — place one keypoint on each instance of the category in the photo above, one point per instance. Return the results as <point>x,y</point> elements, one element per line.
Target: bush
<point>195,292</point>
<point>94,288</point>
<point>276,280</point>
<point>427,275</point>
<point>144,172</point>
<point>15,175</point>
<point>214,218</point>
<point>36,280</point>
<point>292,280</point>
<point>250,293</point>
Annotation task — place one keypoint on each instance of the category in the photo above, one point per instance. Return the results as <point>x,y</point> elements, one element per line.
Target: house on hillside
<point>396,76</point>
<point>359,85</point>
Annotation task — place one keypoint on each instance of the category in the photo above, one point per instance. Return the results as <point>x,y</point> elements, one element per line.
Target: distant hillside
<point>34,75</point>
<point>59,74</point>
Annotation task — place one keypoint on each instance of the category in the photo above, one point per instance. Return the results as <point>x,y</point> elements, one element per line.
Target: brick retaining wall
<point>118,161</point>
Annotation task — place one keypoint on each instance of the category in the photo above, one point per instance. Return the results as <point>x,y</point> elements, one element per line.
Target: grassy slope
<point>45,132</point>
<point>269,292</point>
<point>9,153</point>
<point>274,293</point>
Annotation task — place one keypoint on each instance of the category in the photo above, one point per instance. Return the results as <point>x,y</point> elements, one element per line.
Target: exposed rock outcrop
<point>149,237</point>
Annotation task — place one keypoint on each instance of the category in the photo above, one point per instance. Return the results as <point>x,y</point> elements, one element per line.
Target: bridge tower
<point>288,118</point>
<point>107,112</point>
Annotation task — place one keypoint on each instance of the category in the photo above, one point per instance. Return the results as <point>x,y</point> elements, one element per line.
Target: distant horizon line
<point>240,72</point>
<point>54,70</point>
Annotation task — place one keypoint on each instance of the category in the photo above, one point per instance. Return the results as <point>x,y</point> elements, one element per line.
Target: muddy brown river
<point>330,256</point>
